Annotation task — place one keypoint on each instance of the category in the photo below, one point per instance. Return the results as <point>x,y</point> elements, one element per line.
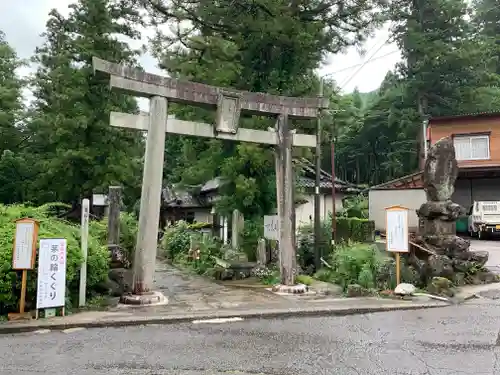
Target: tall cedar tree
<point>12,166</point>
<point>443,64</point>
<point>447,69</point>
<point>487,21</point>
<point>11,104</point>
<point>78,151</point>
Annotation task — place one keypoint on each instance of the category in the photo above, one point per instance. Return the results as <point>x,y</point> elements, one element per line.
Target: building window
<point>472,147</point>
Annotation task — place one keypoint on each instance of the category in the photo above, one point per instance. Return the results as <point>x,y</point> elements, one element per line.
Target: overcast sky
<point>23,21</point>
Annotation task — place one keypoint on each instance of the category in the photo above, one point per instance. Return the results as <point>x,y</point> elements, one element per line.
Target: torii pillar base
<point>148,299</point>
<point>291,289</point>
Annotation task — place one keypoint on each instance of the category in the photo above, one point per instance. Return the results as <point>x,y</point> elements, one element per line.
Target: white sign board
<point>397,230</point>
<point>23,246</point>
<point>271,227</point>
<point>51,273</point>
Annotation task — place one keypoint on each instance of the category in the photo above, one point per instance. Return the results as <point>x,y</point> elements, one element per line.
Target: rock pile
<point>453,259</point>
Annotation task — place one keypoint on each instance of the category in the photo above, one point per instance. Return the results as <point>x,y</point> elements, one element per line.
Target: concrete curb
<point>60,324</point>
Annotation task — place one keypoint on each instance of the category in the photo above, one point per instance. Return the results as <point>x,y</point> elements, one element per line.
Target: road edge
<point>58,325</point>
<point>469,292</point>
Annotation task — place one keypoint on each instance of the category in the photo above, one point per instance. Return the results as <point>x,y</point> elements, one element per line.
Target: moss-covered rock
<point>356,290</point>
<point>441,286</point>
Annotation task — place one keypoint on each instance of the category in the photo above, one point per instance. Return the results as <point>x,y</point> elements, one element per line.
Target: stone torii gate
<point>229,104</point>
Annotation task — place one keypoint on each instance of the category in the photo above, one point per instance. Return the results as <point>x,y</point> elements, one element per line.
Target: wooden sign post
<point>23,257</point>
<point>84,243</point>
<point>397,236</point>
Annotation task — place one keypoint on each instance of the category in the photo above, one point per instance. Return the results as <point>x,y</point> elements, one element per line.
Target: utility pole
<point>334,218</point>
<point>317,201</point>
<point>425,124</point>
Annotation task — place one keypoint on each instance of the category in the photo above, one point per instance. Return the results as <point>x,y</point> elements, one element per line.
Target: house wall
<point>379,200</point>
<point>304,213</point>
<point>459,126</point>
<point>466,192</point>
<point>202,216</point>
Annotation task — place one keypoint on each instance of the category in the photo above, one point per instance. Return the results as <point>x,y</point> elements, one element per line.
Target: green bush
<point>305,243</point>
<point>176,244</point>
<point>209,248</point>
<point>355,206</point>
<point>176,239</point>
<point>50,227</point>
<point>325,274</point>
<point>304,279</point>
<point>355,229</point>
<point>253,230</point>
<point>356,264</point>
<point>267,275</point>
<point>128,233</point>
<point>348,229</point>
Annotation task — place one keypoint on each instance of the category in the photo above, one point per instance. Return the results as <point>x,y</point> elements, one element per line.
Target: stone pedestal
<point>290,289</point>
<point>149,299</point>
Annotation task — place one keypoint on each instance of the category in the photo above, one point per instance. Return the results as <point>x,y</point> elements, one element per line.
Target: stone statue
<point>441,171</point>
<point>452,258</point>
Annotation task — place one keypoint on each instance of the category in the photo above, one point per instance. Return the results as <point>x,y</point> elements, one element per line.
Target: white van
<point>484,218</point>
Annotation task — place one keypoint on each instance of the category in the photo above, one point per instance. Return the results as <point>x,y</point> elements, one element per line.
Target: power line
<point>362,55</point>
<point>373,58</point>
<point>356,65</point>
<point>364,63</point>
<point>371,48</point>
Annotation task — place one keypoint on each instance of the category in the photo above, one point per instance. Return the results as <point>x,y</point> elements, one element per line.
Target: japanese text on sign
<point>23,246</point>
<point>51,273</point>
<point>397,230</point>
<point>271,227</point>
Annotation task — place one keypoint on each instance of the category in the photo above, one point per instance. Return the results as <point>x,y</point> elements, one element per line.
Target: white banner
<point>271,227</point>
<point>51,288</point>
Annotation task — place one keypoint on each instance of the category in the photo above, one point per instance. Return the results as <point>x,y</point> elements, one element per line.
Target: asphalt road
<point>453,340</point>
<point>492,246</point>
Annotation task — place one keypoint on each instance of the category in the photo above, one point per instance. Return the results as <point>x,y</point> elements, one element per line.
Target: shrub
<point>128,233</point>
<point>50,227</point>
<point>356,264</point>
<point>305,243</point>
<point>253,230</point>
<point>304,279</point>
<point>209,248</point>
<point>176,239</point>
<point>176,244</point>
<point>267,275</point>
<point>355,206</point>
<point>348,229</point>
<point>355,229</point>
<point>325,274</point>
